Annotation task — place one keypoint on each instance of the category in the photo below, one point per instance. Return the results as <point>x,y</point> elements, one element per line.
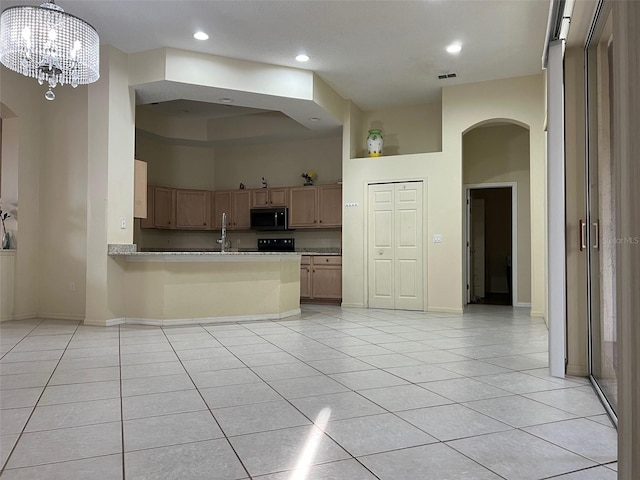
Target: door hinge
<point>467,286</point>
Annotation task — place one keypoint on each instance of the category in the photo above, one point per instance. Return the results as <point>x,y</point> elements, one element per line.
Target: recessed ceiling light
<point>226,100</point>
<point>200,36</point>
<point>314,119</point>
<point>302,58</point>
<point>454,48</point>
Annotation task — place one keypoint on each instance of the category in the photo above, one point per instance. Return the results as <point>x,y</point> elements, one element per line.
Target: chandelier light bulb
<point>49,45</point>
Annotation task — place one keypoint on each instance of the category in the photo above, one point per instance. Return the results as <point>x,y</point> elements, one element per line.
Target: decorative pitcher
<point>374,143</point>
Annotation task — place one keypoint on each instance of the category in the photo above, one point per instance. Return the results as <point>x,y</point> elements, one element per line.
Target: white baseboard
<point>352,305</point>
<point>445,310</point>
<point>58,316</point>
<point>160,322</point>
<point>522,304</point>
<point>104,323</point>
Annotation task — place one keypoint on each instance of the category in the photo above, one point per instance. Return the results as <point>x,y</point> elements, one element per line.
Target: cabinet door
<point>140,189</point>
<point>259,198</point>
<point>278,197</point>
<point>221,204</point>
<point>241,207</point>
<point>305,281</point>
<point>326,281</point>
<point>330,205</point>
<point>148,222</point>
<point>303,207</point>
<point>164,207</point>
<point>193,209</point>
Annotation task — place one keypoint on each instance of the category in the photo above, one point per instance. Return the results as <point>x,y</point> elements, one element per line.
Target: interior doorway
<point>491,241</point>
<point>394,246</point>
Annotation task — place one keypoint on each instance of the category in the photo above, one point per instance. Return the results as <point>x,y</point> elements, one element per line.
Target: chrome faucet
<point>223,241</point>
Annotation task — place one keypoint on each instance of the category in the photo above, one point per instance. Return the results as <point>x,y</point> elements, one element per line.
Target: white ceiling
<point>378,53</point>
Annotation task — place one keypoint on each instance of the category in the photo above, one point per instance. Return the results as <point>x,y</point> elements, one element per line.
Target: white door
<point>395,246</point>
<point>477,249</point>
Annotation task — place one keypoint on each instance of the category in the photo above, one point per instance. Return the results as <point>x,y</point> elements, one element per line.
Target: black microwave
<point>270,218</point>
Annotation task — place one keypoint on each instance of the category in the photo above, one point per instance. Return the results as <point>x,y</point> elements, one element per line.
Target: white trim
<point>522,305</point>
<point>556,215</point>
<point>159,322</point>
<point>353,305</point>
<point>104,323</point>
<point>59,316</point>
<point>514,235</point>
<point>446,310</point>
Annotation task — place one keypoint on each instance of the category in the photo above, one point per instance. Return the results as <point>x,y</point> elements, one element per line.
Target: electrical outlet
<point>123,223</point>
<point>437,238</point>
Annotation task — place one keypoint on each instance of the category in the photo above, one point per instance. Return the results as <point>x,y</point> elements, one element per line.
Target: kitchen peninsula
<point>178,288</point>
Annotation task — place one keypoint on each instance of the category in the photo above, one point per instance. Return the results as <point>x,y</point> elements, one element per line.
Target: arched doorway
<point>496,181</point>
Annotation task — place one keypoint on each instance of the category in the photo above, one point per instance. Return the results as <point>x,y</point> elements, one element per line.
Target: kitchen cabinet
<point>317,206</point>
<point>303,207</point>
<point>164,211</point>
<point>305,276</point>
<point>330,205</point>
<point>193,209</point>
<point>236,204</point>
<point>269,197</point>
<point>321,277</point>
<point>148,221</point>
<point>139,189</point>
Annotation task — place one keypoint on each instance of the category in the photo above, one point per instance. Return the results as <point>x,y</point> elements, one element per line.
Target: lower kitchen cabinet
<point>321,277</point>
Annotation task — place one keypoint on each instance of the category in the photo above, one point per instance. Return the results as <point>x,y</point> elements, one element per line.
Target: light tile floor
<point>332,394</point>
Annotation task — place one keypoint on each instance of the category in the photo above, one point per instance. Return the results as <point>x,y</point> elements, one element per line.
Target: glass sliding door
<point>598,229</point>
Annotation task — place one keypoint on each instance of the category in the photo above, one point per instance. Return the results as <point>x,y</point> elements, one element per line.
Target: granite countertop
<point>131,250</point>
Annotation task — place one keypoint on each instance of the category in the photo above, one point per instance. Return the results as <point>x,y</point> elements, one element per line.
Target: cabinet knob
<point>327,260</point>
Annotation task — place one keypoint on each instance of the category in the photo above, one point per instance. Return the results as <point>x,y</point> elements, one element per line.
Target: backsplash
<point>305,239</point>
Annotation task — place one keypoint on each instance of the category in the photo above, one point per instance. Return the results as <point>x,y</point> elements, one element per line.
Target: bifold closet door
<point>395,257</point>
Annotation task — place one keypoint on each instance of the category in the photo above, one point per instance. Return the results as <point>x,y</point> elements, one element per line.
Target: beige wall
<point>282,163</point>
<point>63,188</point>
<point>111,119</point>
<point>174,165</point>
<point>24,97</point>
<point>497,154</point>
<point>519,100</point>
<point>410,129</point>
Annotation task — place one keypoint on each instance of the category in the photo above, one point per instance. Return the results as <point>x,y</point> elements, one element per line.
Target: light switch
<point>123,223</point>
<point>437,238</point>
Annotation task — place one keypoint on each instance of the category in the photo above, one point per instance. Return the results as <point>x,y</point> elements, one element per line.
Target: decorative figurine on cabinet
<point>264,183</point>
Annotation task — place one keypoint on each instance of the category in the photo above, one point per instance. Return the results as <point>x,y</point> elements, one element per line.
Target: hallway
<point>394,395</point>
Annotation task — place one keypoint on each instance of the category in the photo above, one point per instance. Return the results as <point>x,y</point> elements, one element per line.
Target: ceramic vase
<point>374,143</point>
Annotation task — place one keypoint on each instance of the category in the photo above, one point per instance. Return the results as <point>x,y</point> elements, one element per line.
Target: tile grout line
<point>15,445</point>
<point>206,404</point>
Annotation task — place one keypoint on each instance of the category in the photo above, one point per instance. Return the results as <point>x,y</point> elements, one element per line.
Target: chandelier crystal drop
<point>49,45</point>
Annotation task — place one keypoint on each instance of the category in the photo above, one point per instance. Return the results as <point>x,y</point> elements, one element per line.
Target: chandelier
<point>50,45</point>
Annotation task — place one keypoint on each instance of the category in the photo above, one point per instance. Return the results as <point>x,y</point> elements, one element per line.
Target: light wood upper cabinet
<point>140,189</point>
<point>149,221</point>
<point>330,205</point>
<point>303,207</point>
<point>241,218</point>
<point>236,204</point>
<point>193,209</point>
<point>315,206</point>
<point>164,212</point>
<point>269,197</point>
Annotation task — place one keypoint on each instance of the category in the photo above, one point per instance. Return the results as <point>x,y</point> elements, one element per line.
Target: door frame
<point>466,239</point>
<point>425,249</point>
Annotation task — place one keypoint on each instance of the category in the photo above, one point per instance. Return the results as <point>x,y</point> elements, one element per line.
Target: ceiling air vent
<point>447,75</point>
